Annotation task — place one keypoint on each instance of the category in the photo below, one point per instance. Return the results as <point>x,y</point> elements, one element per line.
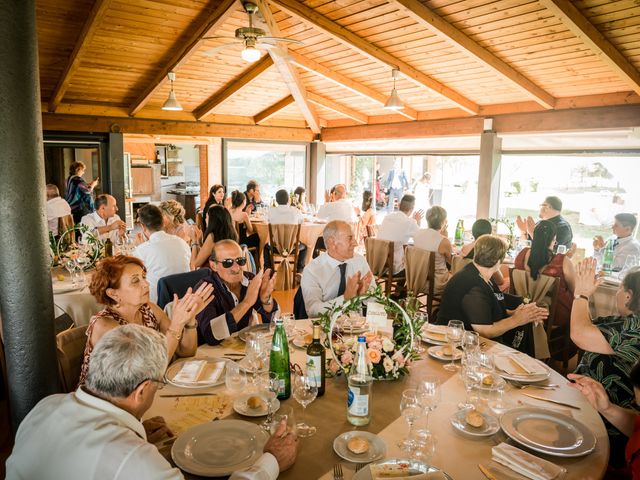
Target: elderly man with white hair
<point>340,208</point>
<point>96,433</point>
<point>56,207</point>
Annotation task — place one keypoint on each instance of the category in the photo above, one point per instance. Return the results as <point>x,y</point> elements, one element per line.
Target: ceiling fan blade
<point>272,40</point>
<point>212,51</point>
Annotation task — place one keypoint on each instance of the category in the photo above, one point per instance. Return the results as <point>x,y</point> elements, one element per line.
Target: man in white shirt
<point>399,227</point>
<point>105,220</point>
<point>95,432</point>
<point>163,254</point>
<point>285,214</point>
<point>338,274</point>
<point>624,245</point>
<point>56,208</point>
<point>340,209</point>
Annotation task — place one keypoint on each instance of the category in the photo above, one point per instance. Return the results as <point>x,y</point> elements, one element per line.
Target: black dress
<point>251,241</point>
<point>469,298</point>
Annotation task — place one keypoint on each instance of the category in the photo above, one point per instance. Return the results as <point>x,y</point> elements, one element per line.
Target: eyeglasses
<point>228,262</point>
<point>161,383</point>
<point>544,205</point>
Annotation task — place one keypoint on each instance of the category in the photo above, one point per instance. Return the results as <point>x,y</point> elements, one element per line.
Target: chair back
<point>458,263</point>
<point>420,270</point>
<point>284,240</point>
<point>65,223</point>
<point>379,254</point>
<point>70,349</point>
<point>178,284</point>
<point>299,308</point>
<point>372,230</point>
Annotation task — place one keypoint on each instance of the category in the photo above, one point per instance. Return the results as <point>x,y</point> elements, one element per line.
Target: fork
<point>360,466</point>
<point>520,386</point>
<point>337,472</point>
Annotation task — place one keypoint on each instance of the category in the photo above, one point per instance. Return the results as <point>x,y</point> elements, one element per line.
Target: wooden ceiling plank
<point>580,26</point>
<point>341,34</point>
<point>345,82</point>
<point>337,107</point>
<point>272,110</point>
<point>435,23</point>
<point>233,86</point>
<point>287,71</point>
<point>89,28</point>
<point>220,15</point>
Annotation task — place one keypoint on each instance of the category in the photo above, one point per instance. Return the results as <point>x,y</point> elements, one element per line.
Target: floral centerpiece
<point>85,254</point>
<point>510,224</point>
<point>389,354</point>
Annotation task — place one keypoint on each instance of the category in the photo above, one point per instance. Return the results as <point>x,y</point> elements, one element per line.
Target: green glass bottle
<point>459,237</point>
<point>316,360</point>
<point>279,360</point>
<point>607,256</point>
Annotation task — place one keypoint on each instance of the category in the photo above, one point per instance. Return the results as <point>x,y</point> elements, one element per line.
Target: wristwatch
<point>578,297</point>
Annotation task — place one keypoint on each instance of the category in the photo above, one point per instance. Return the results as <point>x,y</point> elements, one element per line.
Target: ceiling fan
<point>252,38</point>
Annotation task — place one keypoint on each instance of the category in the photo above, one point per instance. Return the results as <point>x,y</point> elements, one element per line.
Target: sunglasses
<point>228,262</point>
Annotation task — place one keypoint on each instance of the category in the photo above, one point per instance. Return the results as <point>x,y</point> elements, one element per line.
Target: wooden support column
<point>317,157</point>
<point>489,175</point>
<point>210,167</point>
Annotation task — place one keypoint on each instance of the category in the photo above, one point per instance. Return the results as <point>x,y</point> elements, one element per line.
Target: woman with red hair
<point>120,284</point>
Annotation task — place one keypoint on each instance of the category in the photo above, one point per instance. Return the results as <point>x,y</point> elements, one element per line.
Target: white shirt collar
<point>334,262</point>
<point>159,235</point>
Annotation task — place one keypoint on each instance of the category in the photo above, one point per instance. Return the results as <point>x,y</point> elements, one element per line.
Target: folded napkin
<point>436,332</point>
<point>519,364</point>
<point>401,472</point>
<point>199,372</point>
<point>526,464</point>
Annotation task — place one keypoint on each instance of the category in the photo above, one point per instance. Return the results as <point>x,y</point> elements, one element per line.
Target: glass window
<point>593,189</point>
<point>272,165</point>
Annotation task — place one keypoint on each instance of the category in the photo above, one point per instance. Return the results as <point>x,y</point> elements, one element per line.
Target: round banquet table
<point>309,234</point>
<point>456,454</point>
<point>79,304</point>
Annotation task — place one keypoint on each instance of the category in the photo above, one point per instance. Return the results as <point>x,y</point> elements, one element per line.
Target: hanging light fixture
<point>250,53</point>
<point>171,103</point>
<point>394,102</point>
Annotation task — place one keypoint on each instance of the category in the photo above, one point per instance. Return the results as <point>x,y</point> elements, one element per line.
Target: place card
<point>377,318</point>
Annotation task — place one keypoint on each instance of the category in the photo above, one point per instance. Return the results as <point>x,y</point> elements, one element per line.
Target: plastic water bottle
<point>279,360</point>
<point>360,383</point>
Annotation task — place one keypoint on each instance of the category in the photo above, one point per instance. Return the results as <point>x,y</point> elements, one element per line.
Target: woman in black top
<point>471,296</point>
<point>216,197</point>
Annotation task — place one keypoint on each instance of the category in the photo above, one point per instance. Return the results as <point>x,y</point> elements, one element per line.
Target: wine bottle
<point>360,383</point>
<point>316,360</point>
<point>279,360</point>
<point>108,248</point>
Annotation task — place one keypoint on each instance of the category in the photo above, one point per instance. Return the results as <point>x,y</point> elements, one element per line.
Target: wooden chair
<point>285,243</point>
<point>252,250</point>
<point>379,255</point>
<point>458,263</point>
<point>70,347</point>
<point>420,270</point>
<point>64,224</point>
<point>372,231</point>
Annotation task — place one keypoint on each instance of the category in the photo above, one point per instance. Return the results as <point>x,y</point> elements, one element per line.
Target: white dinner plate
<point>437,353</point>
<point>490,426</point>
<point>216,449</point>
<point>65,286</point>
<point>262,328</point>
<point>547,431</point>
<point>526,378</point>
<point>377,447</point>
<point>241,407</point>
<point>212,364</point>
<point>413,468</point>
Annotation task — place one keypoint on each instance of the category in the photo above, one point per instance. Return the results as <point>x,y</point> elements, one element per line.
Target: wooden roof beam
<point>580,26</point>
<point>345,82</point>
<point>220,15</point>
<point>84,38</point>
<point>427,17</point>
<point>233,86</point>
<point>350,39</point>
<point>287,71</point>
<point>269,112</point>
<point>337,107</point>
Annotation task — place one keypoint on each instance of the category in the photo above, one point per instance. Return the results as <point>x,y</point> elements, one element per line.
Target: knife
<point>551,401</point>
<point>486,472</point>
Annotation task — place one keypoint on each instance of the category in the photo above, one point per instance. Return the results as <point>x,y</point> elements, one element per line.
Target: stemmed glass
<point>470,344</point>
<point>423,319</point>
<point>305,391</point>
<point>454,337</point>
<point>471,378</point>
<point>411,410</point>
<point>289,322</point>
<point>235,379</point>
<point>256,354</point>
<point>429,396</point>
<point>70,265</point>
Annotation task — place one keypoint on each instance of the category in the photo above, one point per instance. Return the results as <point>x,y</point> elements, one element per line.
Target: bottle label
<point>281,386</point>
<point>358,405</point>
<point>314,368</point>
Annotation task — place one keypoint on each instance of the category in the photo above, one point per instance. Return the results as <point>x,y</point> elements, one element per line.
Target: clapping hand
<point>586,281</point>
<point>522,225</point>
<point>530,312</point>
<point>364,283</point>
<point>156,429</point>
<point>417,216</point>
<point>531,225</point>
<point>253,290</point>
<point>191,304</point>
<point>598,242</point>
<point>267,285</point>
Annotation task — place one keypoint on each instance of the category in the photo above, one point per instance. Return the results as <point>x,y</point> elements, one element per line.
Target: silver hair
<point>124,358</point>
<point>436,216</point>
<point>332,229</point>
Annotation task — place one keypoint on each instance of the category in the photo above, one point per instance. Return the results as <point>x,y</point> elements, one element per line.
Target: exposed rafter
<point>346,37</point>
<point>580,26</point>
<point>269,112</point>
<point>84,38</point>
<point>427,17</point>
<point>220,15</point>
<point>287,71</point>
<point>345,82</point>
<point>233,86</point>
<point>337,107</point>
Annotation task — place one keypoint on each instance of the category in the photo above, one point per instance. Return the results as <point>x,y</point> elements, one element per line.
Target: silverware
<point>521,386</point>
<point>360,466</point>
<point>188,395</point>
<point>557,402</point>
<point>337,472</point>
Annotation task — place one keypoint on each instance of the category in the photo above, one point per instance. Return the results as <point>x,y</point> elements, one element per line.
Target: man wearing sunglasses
<point>237,295</point>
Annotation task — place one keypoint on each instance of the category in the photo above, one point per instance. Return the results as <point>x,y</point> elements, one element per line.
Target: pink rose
<point>388,364</point>
<point>370,336</point>
<point>333,366</point>
<point>373,355</point>
<point>398,357</point>
<point>347,357</point>
<point>376,345</point>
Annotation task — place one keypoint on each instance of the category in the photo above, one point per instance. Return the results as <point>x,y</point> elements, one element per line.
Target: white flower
<point>387,363</point>
<point>387,345</point>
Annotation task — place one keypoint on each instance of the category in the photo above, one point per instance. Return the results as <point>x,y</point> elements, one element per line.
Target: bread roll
<point>487,380</point>
<point>254,402</point>
<point>474,419</point>
<point>358,445</point>
<point>447,350</point>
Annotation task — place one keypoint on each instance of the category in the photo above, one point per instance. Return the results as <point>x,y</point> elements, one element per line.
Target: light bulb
<point>250,54</point>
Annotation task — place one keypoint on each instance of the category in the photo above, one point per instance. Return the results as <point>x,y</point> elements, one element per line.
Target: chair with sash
<point>285,244</point>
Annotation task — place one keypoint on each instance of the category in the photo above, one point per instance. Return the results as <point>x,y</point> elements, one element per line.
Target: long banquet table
<point>456,454</point>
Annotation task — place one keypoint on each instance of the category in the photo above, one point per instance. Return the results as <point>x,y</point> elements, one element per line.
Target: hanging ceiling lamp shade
<point>250,53</point>
<point>172,103</point>
<point>394,102</point>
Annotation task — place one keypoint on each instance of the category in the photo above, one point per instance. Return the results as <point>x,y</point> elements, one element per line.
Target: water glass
<point>455,331</point>
<point>471,378</point>
<point>271,383</point>
<point>235,379</point>
<point>421,318</point>
<point>411,410</point>
<point>70,266</point>
<point>305,391</point>
<point>429,396</point>
<point>284,414</point>
<point>470,344</point>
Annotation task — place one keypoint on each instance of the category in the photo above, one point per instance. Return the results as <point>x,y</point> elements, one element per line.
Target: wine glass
<point>411,411</point>
<point>455,329</point>
<point>470,343</point>
<point>271,383</point>
<point>289,322</point>
<point>422,319</point>
<point>70,266</point>
<point>305,391</point>
<point>471,378</point>
<point>235,379</point>
<point>285,413</point>
<point>429,396</point>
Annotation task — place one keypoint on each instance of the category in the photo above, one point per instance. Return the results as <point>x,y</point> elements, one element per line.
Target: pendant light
<point>172,104</point>
<point>250,53</point>
<point>394,102</point>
